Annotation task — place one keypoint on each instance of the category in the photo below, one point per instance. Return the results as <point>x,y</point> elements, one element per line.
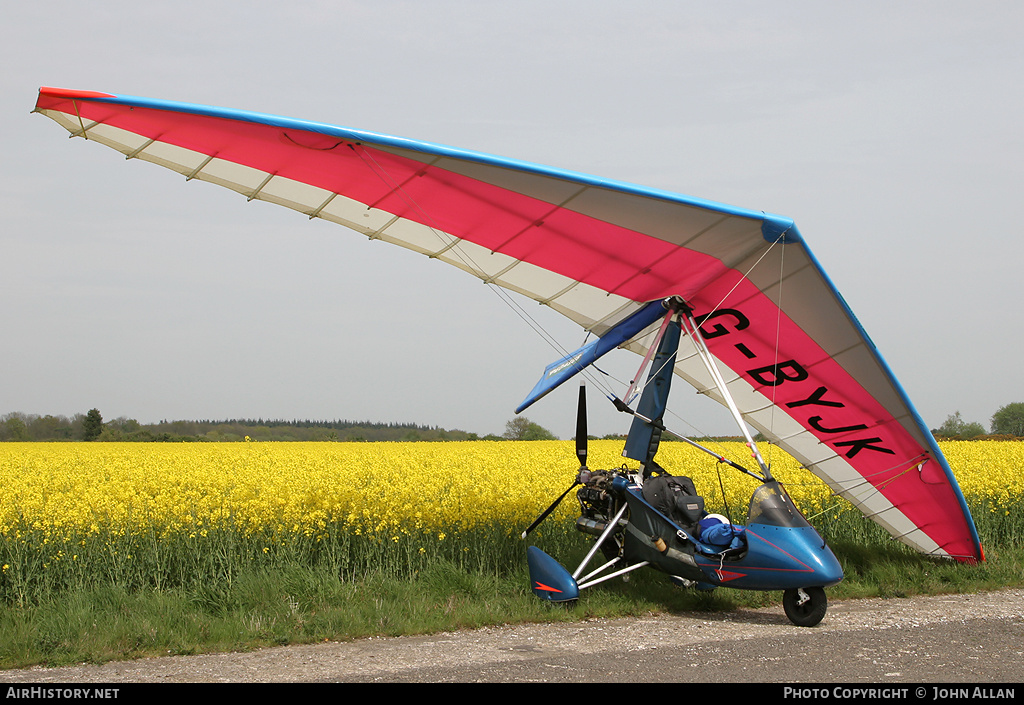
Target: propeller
<point>581,428</point>
<point>581,453</point>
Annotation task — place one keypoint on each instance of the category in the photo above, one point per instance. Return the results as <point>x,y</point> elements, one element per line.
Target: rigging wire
<point>745,276</point>
<point>778,333</point>
<point>451,244</point>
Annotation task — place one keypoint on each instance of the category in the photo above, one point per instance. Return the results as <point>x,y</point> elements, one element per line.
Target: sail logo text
<point>816,404</point>
<point>568,363</point>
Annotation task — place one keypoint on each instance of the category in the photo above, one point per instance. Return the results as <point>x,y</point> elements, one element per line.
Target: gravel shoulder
<point>948,639</point>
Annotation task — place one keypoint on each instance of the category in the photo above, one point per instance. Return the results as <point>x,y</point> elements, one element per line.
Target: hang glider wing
<point>597,251</point>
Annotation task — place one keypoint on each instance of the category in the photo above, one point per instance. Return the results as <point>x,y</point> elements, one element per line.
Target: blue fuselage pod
<point>777,558</point>
<point>780,549</point>
<point>548,579</point>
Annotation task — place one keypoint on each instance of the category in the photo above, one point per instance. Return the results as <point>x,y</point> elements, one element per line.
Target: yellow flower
<point>113,498</point>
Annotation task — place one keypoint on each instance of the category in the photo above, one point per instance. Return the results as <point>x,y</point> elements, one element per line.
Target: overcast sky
<point>890,132</point>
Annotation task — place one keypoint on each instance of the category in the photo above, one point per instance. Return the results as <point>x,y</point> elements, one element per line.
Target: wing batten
<point>315,213</point>
<point>194,174</point>
<point>135,152</point>
<point>454,241</point>
<point>255,194</point>
<point>548,301</point>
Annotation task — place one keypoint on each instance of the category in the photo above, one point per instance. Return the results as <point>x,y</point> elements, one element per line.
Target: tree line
<point>1007,422</point>
<point>90,426</point>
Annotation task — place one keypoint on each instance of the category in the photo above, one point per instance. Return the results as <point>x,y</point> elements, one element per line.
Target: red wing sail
<point>803,371</point>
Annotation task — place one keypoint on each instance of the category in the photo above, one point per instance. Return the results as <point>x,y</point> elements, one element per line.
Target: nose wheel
<point>805,607</point>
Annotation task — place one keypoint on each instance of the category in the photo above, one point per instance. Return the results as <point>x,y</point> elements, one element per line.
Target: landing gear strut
<point>805,607</point>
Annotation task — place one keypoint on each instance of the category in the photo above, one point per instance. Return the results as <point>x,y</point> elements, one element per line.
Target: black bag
<point>676,497</point>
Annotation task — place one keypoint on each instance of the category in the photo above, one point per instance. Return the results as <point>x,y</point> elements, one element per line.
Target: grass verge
<point>297,604</point>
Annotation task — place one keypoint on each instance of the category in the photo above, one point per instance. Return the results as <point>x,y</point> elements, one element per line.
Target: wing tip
<point>52,92</point>
<point>777,228</point>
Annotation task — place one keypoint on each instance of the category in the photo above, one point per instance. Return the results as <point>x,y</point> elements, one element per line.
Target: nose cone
<point>790,557</point>
<point>548,579</point>
<point>828,570</point>
<point>819,558</point>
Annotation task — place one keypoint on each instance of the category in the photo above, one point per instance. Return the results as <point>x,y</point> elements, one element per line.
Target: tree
<point>522,429</point>
<point>49,428</point>
<point>955,427</point>
<point>1009,419</point>
<point>13,428</point>
<point>92,426</point>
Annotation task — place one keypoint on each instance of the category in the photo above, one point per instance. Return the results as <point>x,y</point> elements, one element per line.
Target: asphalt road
<point>951,639</point>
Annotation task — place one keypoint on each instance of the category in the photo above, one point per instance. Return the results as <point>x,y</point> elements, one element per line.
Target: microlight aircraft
<point>769,335</point>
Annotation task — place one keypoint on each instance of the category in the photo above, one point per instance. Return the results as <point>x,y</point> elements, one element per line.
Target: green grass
<point>293,604</point>
<point>121,597</point>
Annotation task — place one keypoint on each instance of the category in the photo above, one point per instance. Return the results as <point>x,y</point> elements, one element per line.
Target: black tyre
<point>805,607</point>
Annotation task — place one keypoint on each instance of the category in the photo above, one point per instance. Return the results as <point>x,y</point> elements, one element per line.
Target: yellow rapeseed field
<point>72,510</point>
<point>69,490</point>
<point>79,489</point>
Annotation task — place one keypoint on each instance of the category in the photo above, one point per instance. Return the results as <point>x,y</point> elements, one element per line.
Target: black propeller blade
<point>550,509</point>
<point>581,453</point>
<point>581,428</point>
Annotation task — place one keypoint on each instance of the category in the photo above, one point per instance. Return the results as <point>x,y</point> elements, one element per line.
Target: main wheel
<point>805,607</point>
